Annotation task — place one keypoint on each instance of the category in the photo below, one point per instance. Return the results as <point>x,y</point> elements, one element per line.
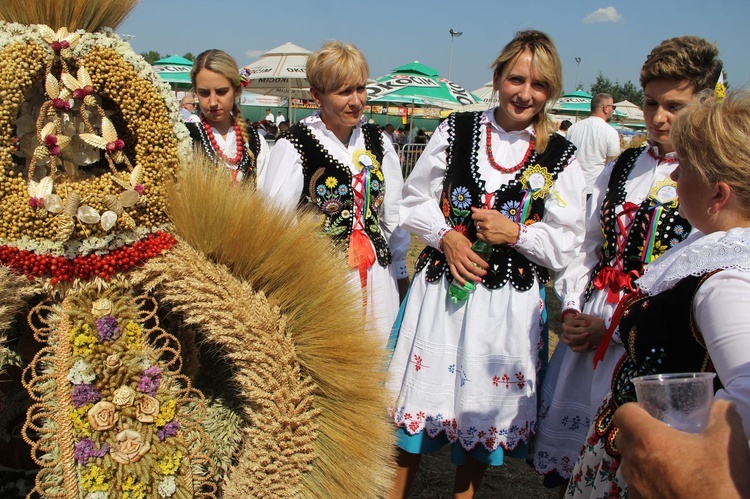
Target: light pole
<point>454,34</point>
<point>578,65</point>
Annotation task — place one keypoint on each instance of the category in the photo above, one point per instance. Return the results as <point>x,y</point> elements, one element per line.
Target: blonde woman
<point>221,132</point>
<point>338,166</point>
<point>466,373</point>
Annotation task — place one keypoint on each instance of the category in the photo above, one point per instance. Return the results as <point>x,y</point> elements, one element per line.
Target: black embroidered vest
<point>462,189</point>
<point>246,165</point>
<point>660,337</point>
<point>328,188</point>
<point>671,228</point>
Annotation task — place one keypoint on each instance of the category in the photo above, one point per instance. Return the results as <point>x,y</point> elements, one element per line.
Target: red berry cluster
<point>85,267</point>
<point>51,142</point>
<point>80,93</point>
<point>59,46</point>
<point>115,145</point>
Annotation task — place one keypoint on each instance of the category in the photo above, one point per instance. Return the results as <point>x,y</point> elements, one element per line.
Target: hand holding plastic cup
<point>681,400</point>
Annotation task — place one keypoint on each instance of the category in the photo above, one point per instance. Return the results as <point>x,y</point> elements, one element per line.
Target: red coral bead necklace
<point>215,145</point>
<point>499,167</point>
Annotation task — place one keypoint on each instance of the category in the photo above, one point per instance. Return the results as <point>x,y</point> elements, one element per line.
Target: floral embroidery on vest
<point>328,189</point>
<point>521,200</point>
<point>656,225</point>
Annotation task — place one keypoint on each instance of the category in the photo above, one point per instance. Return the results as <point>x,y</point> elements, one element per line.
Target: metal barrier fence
<point>409,154</point>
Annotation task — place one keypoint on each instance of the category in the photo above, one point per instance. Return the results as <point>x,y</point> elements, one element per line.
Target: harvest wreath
<point>158,337</point>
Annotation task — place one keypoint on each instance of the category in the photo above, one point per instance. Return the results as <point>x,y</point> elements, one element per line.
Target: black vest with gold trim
<point>246,164</point>
<point>328,188</point>
<point>462,189</point>
<point>670,227</point>
<point>660,336</point>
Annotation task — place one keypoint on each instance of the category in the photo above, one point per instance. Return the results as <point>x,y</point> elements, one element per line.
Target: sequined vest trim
<point>660,336</point>
<point>246,165</point>
<point>671,227</point>
<point>462,189</point>
<point>328,188</point>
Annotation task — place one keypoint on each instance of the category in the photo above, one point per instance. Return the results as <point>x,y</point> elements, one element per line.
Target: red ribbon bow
<point>615,280</point>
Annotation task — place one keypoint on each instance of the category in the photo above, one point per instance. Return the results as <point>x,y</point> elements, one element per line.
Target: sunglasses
<point>612,106</point>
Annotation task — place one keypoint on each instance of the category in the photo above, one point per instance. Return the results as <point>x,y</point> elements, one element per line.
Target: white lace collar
<point>697,255</point>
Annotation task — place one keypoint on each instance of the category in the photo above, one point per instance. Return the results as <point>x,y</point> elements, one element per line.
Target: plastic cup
<point>681,400</point>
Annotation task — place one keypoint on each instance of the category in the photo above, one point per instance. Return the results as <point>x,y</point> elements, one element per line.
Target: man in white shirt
<point>187,109</point>
<point>597,143</point>
<point>280,118</point>
<point>269,116</point>
<point>390,132</point>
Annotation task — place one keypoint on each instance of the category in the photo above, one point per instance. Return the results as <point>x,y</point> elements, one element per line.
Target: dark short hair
<point>596,101</point>
<point>565,124</point>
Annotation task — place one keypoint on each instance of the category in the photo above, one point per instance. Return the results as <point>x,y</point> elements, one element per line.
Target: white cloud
<point>605,15</point>
<point>252,54</point>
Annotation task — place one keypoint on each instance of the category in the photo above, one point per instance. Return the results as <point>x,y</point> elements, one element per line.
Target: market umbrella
<point>631,111</point>
<point>417,84</point>
<point>576,104</point>
<point>420,85</point>
<point>281,71</point>
<point>175,70</point>
<point>487,95</point>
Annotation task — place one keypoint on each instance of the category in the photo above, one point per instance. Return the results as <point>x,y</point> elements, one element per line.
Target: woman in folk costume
<point>692,306</point>
<point>221,133</point>
<point>633,218</point>
<point>466,373</point>
<point>342,169</point>
<point>147,356</point>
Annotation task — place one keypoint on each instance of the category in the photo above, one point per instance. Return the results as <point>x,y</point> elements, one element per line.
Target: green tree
<point>189,56</point>
<point>632,93</point>
<point>601,85</point>
<point>151,56</point>
<point>628,91</point>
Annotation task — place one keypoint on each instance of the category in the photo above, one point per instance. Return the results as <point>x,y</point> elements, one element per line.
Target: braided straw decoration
<point>48,386</point>
<point>15,291</point>
<point>268,293</point>
<point>276,399</point>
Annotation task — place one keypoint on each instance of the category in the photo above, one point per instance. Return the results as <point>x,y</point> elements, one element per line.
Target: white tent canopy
<point>632,111</point>
<point>487,94</point>
<point>281,71</point>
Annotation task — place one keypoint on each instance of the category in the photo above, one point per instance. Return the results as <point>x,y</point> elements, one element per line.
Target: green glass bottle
<point>458,293</point>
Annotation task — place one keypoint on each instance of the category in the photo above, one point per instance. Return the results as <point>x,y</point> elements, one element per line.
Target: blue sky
<point>612,37</point>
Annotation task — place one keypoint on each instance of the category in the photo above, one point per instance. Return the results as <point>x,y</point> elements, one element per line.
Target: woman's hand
<point>493,227</point>
<point>582,332</point>
<point>463,262</point>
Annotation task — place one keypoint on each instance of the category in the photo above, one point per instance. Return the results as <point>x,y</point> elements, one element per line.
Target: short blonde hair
<point>711,138</point>
<point>547,66</point>
<point>335,65</point>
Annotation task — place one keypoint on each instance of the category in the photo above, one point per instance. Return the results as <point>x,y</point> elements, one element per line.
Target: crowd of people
<point>647,249</point>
